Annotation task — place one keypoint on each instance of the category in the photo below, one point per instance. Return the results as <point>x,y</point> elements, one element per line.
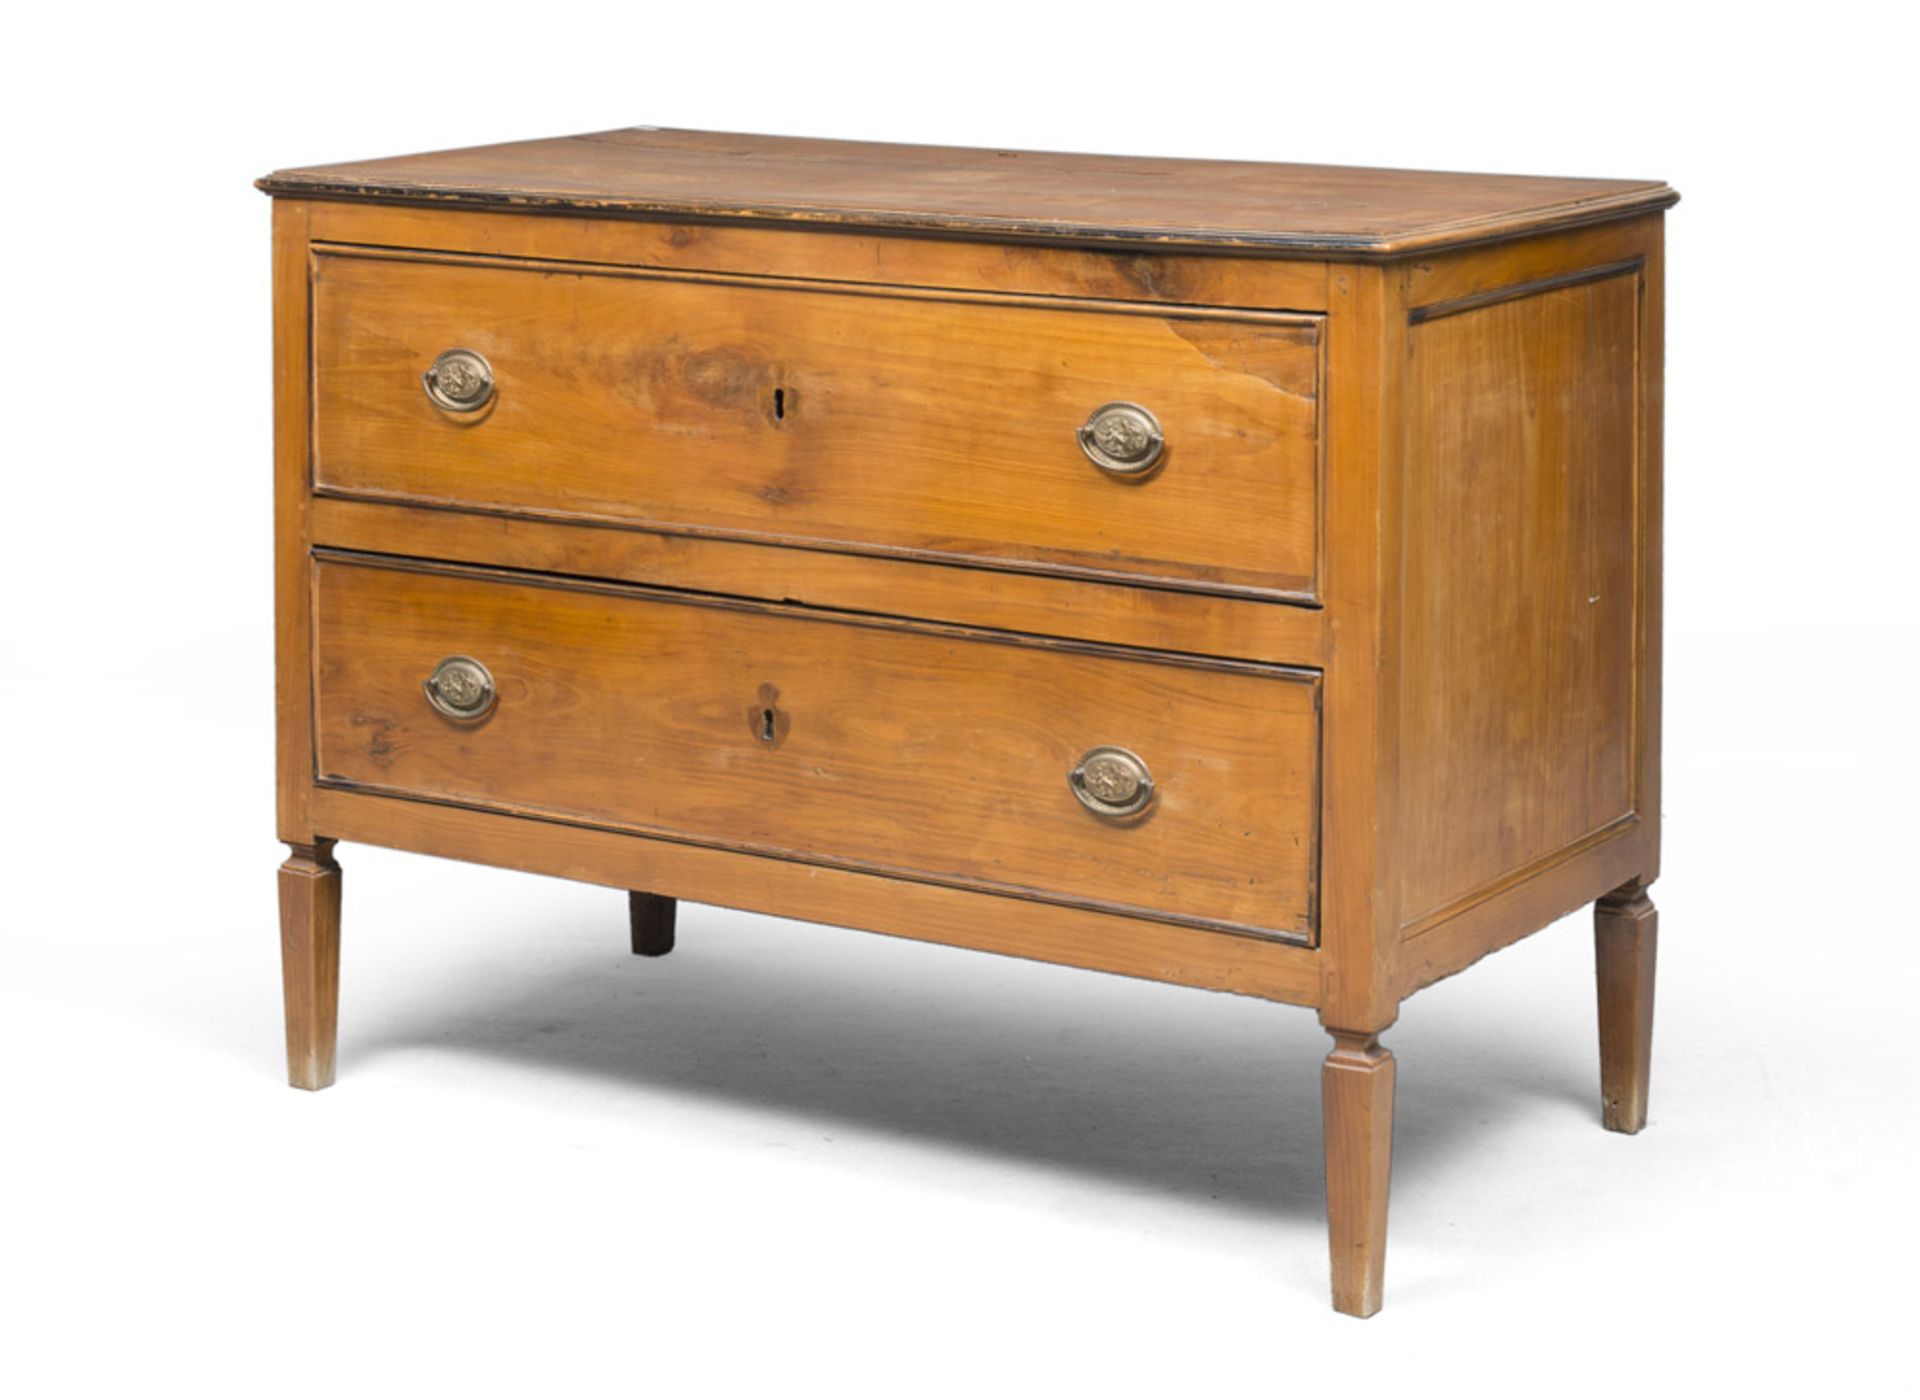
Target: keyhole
<point>766,719</point>
<point>779,404</point>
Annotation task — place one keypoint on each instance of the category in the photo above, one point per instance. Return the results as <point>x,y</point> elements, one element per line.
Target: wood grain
<point>1517,693</point>
<point>292,506</point>
<point>1154,618</point>
<point>1360,802</point>
<point>1533,894</point>
<point>1022,928</point>
<point>1650,532</point>
<point>1356,1087</point>
<point>864,422</point>
<point>839,255</point>
<point>310,961</point>
<point>652,918</point>
<point>998,193</point>
<point>1626,930</point>
<point>1531,900</point>
<point>936,754</point>
<point>1459,274</point>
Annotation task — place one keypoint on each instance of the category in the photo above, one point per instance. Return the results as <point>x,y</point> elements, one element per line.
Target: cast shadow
<point>1210,1098</point>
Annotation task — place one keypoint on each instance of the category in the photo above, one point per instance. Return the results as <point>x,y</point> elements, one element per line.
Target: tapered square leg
<point>310,961</point>
<point>1626,930</point>
<point>652,918</point>
<point>1356,1087</point>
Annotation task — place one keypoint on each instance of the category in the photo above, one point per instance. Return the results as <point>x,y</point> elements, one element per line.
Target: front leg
<point>310,961</point>
<point>1356,1090</point>
<point>1626,930</point>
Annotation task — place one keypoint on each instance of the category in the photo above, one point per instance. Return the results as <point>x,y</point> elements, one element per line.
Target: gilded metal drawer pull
<point>1122,439</point>
<point>460,381</point>
<point>1111,782</point>
<point>460,688</point>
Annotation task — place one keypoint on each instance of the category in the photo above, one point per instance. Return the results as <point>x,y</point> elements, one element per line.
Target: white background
<point>793,1160</point>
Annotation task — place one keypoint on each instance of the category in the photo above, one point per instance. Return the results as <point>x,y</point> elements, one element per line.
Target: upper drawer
<point>863,419</point>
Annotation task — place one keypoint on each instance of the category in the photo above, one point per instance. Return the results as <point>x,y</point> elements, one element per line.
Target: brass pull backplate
<point>1111,782</point>
<point>1122,439</point>
<point>460,381</point>
<point>461,689</point>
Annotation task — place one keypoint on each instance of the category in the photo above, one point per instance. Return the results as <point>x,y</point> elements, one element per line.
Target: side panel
<point>1517,686</point>
<point>1528,684</point>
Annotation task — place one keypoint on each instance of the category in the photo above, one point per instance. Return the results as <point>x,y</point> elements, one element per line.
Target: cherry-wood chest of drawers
<point>1244,576</point>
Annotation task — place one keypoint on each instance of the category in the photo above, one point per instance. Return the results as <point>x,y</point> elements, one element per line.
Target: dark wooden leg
<point>652,916</point>
<point>1356,1089</point>
<point>310,961</point>
<point>1626,929</point>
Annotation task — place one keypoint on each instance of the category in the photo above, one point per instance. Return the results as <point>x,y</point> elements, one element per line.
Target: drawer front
<point>865,420</point>
<point>899,748</point>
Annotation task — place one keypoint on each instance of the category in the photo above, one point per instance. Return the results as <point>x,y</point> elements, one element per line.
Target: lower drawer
<point>957,757</point>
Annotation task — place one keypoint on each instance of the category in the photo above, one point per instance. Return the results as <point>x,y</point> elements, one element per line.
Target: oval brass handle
<point>1122,439</point>
<point>460,688</point>
<point>1111,782</point>
<point>460,381</point>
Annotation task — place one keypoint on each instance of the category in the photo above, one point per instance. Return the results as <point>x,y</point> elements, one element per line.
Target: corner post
<point>1359,925</point>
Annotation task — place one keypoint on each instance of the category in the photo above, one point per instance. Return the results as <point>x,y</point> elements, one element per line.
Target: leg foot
<point>652,918</point>
<point>1356,1089</point>
<point>1625,930</point>
<point>310,961</point>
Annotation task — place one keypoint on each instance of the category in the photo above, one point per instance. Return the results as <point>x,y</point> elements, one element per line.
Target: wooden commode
<point>1237,575</point>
